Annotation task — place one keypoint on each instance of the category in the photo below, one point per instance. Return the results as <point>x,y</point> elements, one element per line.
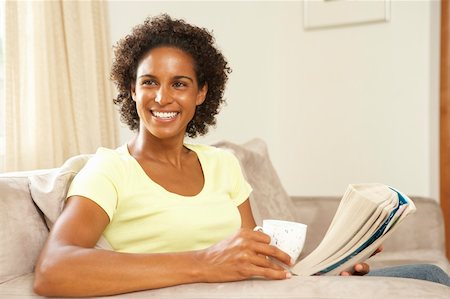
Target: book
<point>366,216</point>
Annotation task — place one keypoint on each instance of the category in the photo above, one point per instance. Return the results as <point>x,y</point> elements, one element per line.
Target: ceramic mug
<point>286,235</point>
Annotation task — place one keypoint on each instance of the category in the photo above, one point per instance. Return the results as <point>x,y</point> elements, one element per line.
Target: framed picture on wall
<point>333,13</point>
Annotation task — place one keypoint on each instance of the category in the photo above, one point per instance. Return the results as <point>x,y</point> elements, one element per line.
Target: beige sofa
<point>31,201</point>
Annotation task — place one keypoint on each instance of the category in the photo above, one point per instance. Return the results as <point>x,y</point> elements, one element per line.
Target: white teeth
<point>165,115</point>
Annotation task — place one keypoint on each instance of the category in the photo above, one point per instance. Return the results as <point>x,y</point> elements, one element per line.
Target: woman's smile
<point>164,115</point>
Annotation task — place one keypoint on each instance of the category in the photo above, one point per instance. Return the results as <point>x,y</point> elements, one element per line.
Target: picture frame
<point>319,14</point>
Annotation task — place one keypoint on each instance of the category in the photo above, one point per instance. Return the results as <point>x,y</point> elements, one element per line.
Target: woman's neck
<point>145,146</point>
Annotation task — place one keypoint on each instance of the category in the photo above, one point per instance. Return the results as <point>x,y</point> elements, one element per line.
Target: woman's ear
<point>133,92</point>
<point>202,94</point>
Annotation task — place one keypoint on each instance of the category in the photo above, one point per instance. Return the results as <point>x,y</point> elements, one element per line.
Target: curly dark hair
<point>209,64</point>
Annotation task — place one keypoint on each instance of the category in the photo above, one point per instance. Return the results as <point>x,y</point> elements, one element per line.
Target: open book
<point>366,216</point>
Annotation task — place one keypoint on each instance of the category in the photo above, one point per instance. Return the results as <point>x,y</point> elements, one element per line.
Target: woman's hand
<point>361,268</point>
<point>243,255</point>
<point>358,270</point>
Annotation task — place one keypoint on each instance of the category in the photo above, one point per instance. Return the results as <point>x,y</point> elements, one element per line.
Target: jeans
<point>417,271</point>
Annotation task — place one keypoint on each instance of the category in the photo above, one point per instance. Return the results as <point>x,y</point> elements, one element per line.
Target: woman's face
<point>166,92</point>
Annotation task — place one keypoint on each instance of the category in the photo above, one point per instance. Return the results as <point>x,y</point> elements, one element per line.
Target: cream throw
<point>58,97</point>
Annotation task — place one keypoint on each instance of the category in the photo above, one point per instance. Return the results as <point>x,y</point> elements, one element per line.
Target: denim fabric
<point>417,271</point>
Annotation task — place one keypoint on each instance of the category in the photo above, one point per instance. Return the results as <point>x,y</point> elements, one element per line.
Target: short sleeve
<point>99,180</point>
<point>240,189</point>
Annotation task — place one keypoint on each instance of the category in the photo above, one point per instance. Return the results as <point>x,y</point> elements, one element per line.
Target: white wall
<point>336,106</point>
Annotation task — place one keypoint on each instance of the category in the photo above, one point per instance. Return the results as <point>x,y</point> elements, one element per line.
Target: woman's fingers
<point>379,249</point>
<point>259,243</point>
<point>274,252</point>
<point>244,255</point>
<point>260,265</point>
<point>269,273</point>
<point>266,262</point>
<point>258,236</point>
<point>262,246</point>
<point>362,268</point>
<point>345,273</point>
<point>359,270</point>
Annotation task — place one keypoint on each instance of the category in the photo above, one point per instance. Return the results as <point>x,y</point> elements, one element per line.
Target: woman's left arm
<point>247,220</point>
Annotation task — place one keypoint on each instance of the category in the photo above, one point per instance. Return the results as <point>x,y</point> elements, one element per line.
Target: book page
<point>359,206</point>
<point>366,253</point>
<point>341,231</point>
<point>377,232</point>
<point>366,231</point>
<point>347,243</point>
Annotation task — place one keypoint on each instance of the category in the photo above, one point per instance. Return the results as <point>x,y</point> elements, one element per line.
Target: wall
<point>336,106</point>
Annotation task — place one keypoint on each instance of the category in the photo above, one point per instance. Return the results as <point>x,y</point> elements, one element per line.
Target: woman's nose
<point>158,96</point>
<point>163,96</point>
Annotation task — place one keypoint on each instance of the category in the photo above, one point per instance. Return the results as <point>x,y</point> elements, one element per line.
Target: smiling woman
<point>183,208</point>
<point>174,213</point>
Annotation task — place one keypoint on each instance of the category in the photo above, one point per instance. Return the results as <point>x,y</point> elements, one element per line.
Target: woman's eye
<point>179,84</point>
<point>149,82</point>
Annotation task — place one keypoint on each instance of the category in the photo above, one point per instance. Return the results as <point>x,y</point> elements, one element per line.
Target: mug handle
<point>258,229</point>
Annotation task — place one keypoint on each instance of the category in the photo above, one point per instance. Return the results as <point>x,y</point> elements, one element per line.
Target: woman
<point>174,213</point>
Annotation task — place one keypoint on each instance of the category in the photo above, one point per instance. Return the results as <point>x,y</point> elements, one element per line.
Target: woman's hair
<point>209,64</point>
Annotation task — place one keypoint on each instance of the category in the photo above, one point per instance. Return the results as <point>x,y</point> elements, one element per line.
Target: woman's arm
<point>70,266</point>
<point>247,220</point>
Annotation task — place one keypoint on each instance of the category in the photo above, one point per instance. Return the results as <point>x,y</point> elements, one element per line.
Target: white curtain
<point>58,96</point>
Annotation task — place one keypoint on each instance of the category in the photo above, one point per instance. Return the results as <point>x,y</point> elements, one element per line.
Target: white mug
<point>288,236</point>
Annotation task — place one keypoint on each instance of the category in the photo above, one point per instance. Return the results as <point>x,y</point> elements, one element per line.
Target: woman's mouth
<point>164,115</point>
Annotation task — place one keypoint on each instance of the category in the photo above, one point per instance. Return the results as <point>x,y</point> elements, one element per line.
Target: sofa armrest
<point>422,230</point>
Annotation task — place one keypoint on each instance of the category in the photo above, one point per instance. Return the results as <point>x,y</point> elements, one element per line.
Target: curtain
<point>58,97</point>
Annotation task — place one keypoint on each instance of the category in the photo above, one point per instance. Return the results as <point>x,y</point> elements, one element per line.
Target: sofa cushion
<point>23,231</point>
<point>269,199</point>
<point>49,190</point>
<point>318,287</point>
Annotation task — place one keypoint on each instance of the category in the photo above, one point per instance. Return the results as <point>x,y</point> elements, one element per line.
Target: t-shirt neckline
<point>161,188</point>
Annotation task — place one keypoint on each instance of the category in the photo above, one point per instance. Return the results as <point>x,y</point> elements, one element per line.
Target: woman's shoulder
<point>206,149</point>
<point>110,158</point>
<point>211,151</point>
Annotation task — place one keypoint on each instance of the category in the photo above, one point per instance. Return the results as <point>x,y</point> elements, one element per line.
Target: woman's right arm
<point>70,266</point>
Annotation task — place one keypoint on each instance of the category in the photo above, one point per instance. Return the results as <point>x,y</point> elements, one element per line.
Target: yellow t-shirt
<point>146,218</point>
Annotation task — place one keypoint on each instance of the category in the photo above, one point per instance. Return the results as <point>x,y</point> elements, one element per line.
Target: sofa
<point>30,202</point>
